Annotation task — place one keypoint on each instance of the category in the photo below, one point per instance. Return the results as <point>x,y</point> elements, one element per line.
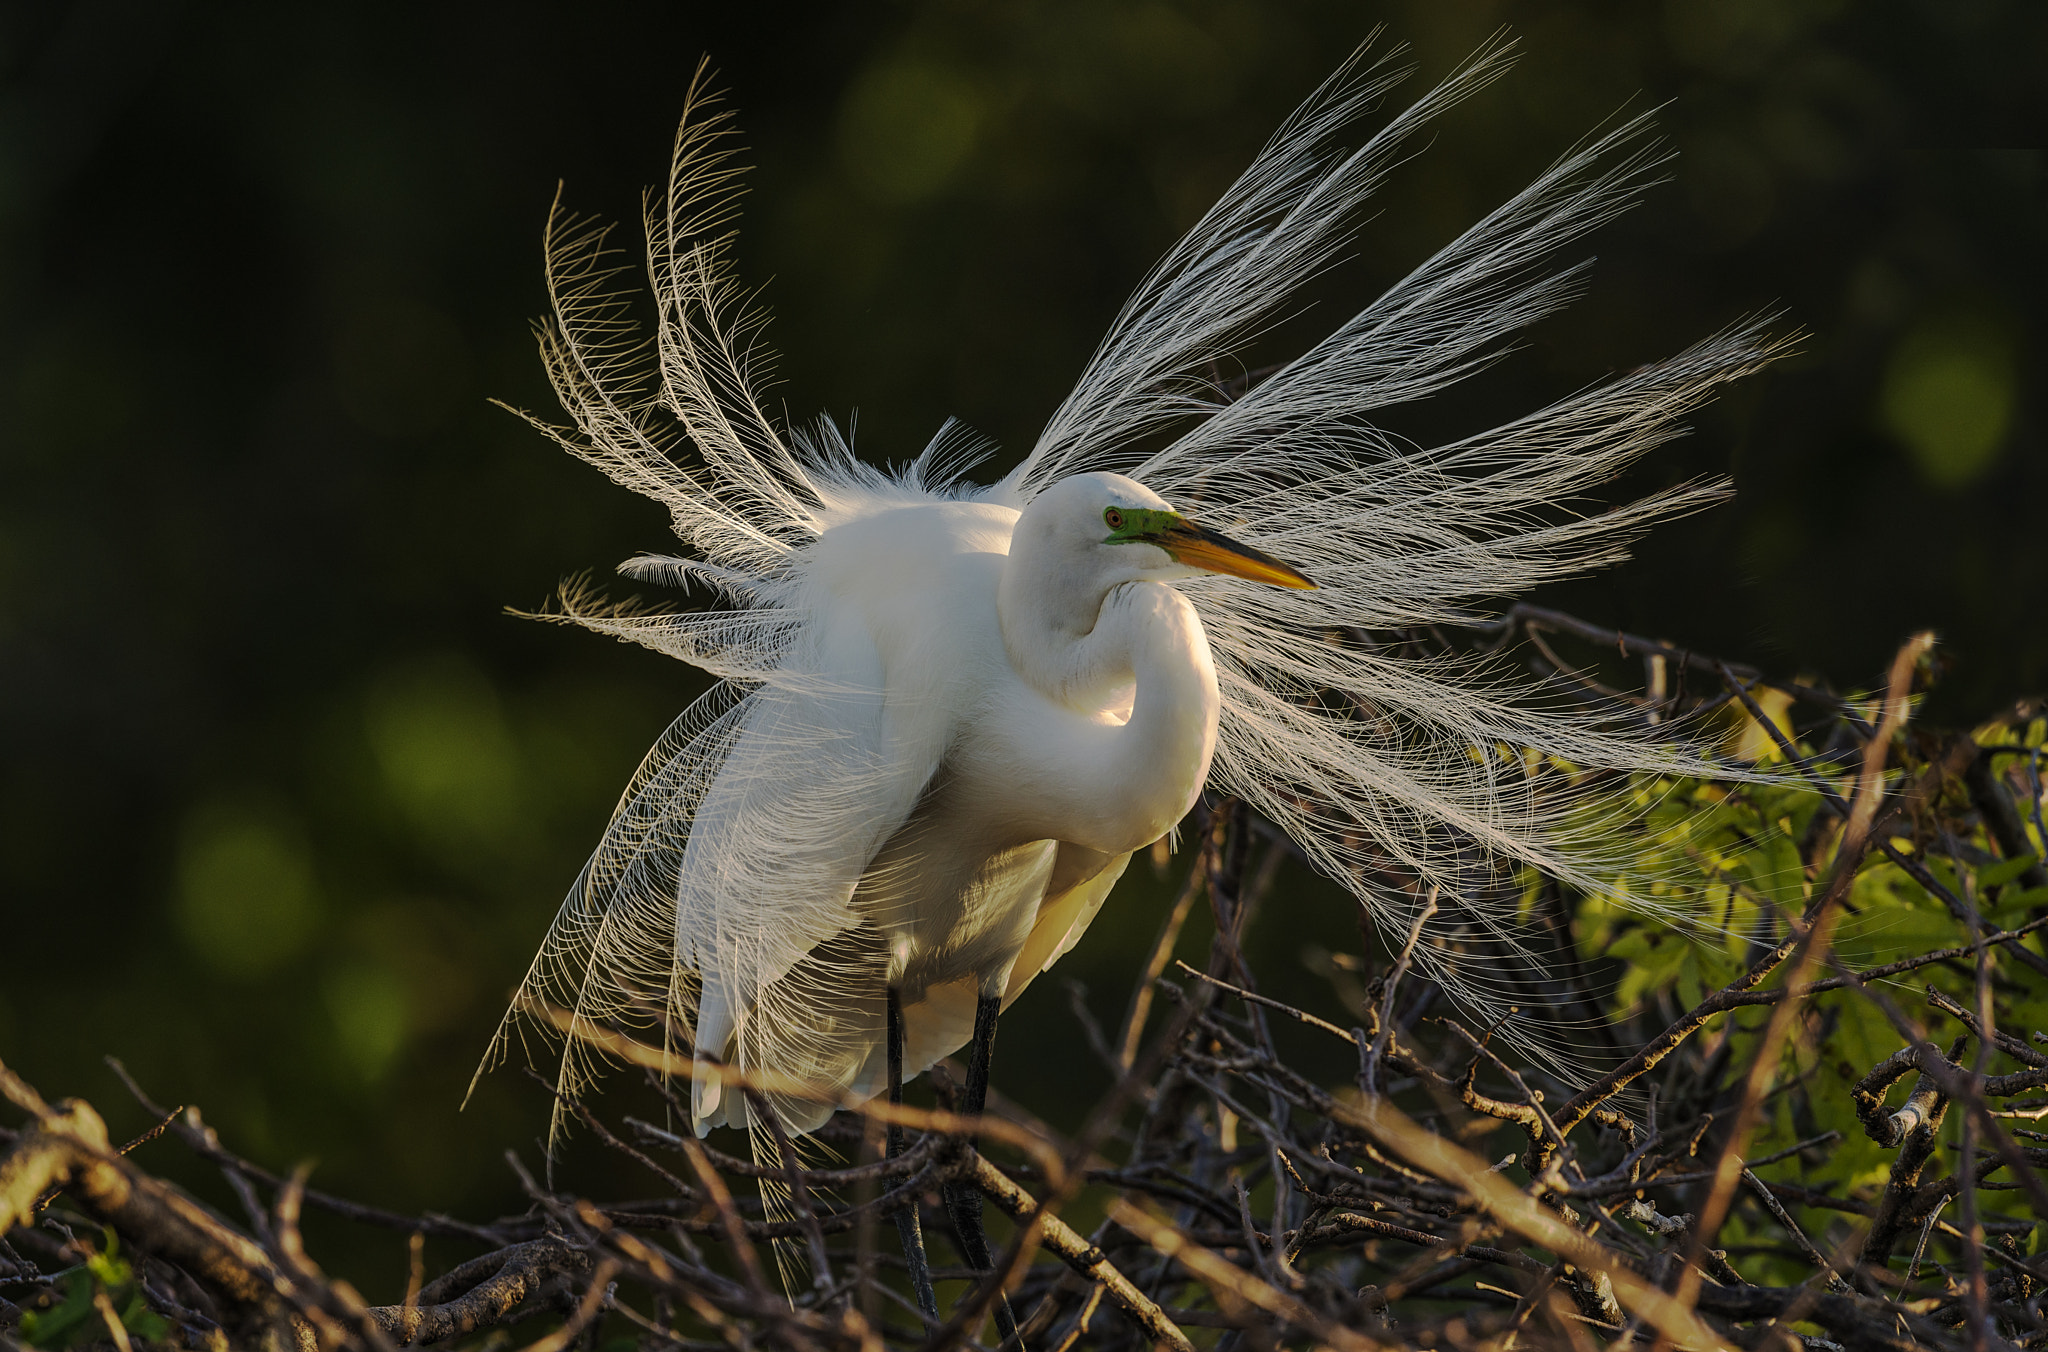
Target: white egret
<point>949,713</point>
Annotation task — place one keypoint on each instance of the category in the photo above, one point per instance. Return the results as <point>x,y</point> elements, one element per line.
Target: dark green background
<point>286,798</point>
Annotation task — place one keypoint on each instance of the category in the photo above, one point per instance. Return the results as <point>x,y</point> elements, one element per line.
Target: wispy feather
<point>717,912</point>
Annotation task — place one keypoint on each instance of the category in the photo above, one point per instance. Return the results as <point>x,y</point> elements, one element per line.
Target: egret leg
<point>907,1228</point>
<point>963,1202</point>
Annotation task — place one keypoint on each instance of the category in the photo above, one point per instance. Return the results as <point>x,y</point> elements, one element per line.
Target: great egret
<point>948,713</point>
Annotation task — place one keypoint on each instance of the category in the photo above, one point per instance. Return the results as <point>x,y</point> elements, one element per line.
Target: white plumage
<point>949,713</point>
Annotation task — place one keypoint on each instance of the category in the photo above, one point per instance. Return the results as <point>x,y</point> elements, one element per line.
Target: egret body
<point>948,712</point>
<point>1068,697</point>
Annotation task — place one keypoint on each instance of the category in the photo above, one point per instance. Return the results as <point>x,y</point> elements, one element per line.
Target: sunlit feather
<point>730,907</point>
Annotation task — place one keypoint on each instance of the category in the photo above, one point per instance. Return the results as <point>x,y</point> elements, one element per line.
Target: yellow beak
<point>1199,547</point>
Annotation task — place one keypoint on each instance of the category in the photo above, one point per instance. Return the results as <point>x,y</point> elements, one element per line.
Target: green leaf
<point>143,1322</point>
<point>1689,988</point>
<point>1944,872</point>
<point>1636,943</point>
<point>77,1320</point>
<point>2005,870</point>
<point>58,1326</point>
<point>2033,896</point>
<point>1775,869</point>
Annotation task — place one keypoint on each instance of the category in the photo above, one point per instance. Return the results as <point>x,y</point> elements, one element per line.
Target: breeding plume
<point>947,713</point>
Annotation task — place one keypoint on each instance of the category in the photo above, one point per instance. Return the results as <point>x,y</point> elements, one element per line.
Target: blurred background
<point>286,796</point>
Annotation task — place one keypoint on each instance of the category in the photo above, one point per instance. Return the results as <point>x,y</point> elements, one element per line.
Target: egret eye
<point>1112,518</point>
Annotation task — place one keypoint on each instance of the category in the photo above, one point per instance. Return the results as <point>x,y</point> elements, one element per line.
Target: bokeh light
<point>246,898</point>
<point>1948,395</point>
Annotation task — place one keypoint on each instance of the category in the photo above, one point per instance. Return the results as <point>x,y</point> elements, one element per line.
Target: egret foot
<point>963,1202</point>
<point>907,1228</point>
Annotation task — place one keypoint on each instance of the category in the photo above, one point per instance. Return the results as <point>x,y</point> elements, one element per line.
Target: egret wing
<point>720,887</point>
<point>1063,917</point>
<point>821,775</point>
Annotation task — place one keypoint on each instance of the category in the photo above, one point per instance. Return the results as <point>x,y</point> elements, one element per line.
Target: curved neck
<point>1172,730</point>
<point>1147,772</point>
<point>1050,612</point>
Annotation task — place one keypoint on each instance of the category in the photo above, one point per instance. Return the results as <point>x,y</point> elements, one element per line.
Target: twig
<point>1369,1067</point>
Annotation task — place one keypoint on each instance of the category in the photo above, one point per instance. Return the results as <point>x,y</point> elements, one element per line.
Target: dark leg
<point>907,1228</point>
<point>963,1203</point>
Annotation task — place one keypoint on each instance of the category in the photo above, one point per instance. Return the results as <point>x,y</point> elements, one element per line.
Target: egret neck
<point>1100,642</point>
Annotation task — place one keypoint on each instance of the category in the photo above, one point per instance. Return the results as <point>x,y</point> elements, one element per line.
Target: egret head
<point>1128,532</point>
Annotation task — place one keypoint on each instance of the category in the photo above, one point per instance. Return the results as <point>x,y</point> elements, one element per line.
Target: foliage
<point>103,1282</point>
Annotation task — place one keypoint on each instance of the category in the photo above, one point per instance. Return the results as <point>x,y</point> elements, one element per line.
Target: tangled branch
<point>1683,1197</point>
